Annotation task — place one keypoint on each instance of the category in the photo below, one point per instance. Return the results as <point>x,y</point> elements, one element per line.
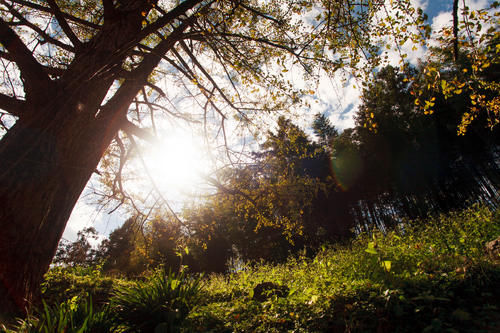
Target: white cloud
<point>445,19</point>
<point>83,216</point>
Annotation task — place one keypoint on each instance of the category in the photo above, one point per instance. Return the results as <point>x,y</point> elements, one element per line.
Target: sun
<point>177,164</point>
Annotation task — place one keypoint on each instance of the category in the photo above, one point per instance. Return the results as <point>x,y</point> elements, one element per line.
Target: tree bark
<point>455,30</point>
<point>44,166</point>
<point>48,156</point>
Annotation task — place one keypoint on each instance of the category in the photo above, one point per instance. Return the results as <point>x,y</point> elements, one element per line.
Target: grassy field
<point>433,276</point>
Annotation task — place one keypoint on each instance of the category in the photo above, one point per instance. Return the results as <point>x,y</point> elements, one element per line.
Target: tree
<point>324,129</point>
<point>466,63</point>
<point>79,252</point>
<point>400,162</point>
<point>82,73</point>
<point>117,250</point>
<point>278,203</point>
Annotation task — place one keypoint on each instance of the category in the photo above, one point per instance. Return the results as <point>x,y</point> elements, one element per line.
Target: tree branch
<point>169,17</point>
<point>64,25</point>
<point>109,9</point>
<point>121,100</point>
<point>261,14</point>
<point>12,105</point>
<point>39,31</point>
<point>135,130</point>
<point>157,190</point>
<point>49,10</point>
<point>32,72</point>
<point>207,75</point>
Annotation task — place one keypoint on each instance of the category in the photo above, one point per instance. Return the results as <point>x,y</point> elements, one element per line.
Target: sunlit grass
<point>433,277</point>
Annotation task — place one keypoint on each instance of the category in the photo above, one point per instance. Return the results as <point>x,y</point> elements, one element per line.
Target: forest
<point>391,225</point>
<point>298,193</point>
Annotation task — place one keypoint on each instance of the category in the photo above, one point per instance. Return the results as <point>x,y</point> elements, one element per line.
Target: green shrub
<point>430,276</point>
<point>63,283</point>
<point>158,304</point>
<point>75,315</point>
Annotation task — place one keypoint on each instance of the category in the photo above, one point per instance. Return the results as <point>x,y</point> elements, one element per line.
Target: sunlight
<point>177,164</point>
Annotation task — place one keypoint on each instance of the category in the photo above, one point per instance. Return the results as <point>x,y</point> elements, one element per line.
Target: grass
<point>430,276</point>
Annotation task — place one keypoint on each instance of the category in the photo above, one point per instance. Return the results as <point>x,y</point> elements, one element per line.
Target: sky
<point>338,100</point>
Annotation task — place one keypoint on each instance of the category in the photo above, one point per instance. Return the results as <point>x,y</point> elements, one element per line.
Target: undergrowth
<point>427,276</point>
<point>430,276</point>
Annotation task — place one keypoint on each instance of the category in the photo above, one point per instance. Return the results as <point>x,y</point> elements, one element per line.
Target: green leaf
<point>386,264</point>
<point>371,248</point>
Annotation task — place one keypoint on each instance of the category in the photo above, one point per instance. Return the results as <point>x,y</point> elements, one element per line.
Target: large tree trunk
<point>45,164</point>
<point>48,156</point>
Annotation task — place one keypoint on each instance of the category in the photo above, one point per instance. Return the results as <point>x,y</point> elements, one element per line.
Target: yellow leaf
<point>387,265</point>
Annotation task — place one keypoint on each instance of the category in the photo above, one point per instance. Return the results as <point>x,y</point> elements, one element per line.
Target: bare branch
<point>169,17</point>
<point>32,72</point>
<point>123,160</point>
<point>207,75</point>
<point>158,89</point>
<point>39,31</point>
<point>121,100</point>
<point>151,109</point>
<point>192,76</point>
<point>142,133</point>
<point>63,24</point>
<point>12,105</point>
<point>163,108</point>
<point>261,14</point>
<point>65,15</point>
<point>158,192</point>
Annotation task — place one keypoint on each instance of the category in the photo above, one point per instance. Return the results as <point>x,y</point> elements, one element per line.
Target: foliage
<point>430,276</point>
<point>416,280</point>
<point>324,129</point>
<point>79,252</point>
<point>472,73</point>
<point>76,315</point>
<point>158,304</point>
<point>62,284</point>
<point>398,162</point>
<point>270,205</point>
<point>82,81</point>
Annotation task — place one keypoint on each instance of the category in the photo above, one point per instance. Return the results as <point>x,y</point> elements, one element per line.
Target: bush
<point>159,304</point>
<point>64,283</point>
<point>72,316</point>
<point>430,276</point>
